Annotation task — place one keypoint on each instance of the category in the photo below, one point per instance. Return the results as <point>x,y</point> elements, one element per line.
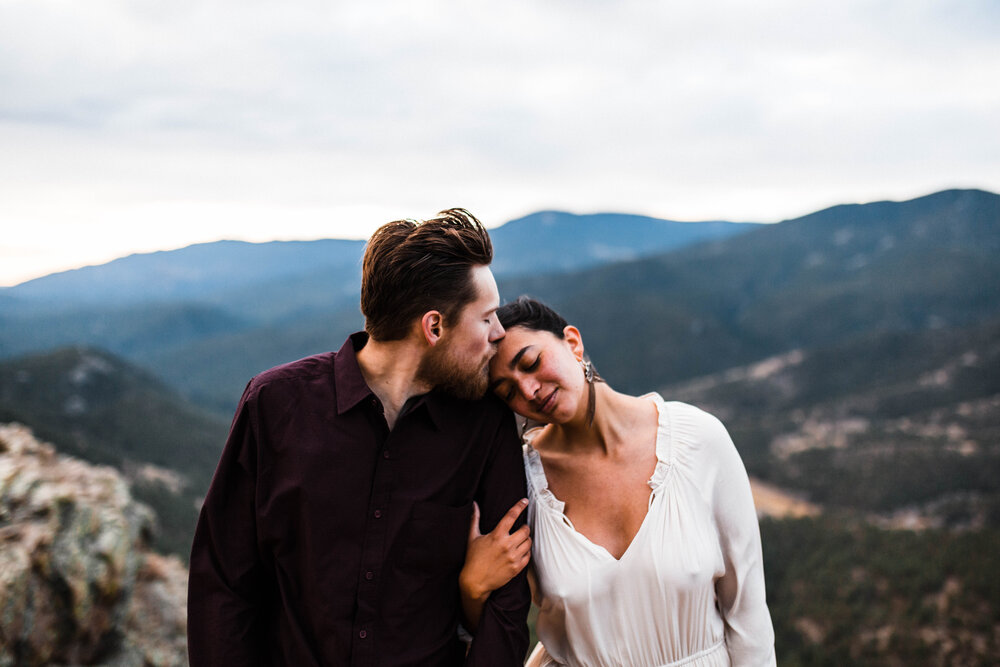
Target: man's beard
<point>440,369</point>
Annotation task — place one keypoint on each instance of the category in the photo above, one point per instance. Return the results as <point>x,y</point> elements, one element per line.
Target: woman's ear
<point>431,326</point>
<point>571,336</point>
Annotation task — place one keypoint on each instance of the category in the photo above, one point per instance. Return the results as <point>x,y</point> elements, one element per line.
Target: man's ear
<point>431,326</point>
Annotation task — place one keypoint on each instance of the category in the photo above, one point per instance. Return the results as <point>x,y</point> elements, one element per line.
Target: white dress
<point>689,590</point>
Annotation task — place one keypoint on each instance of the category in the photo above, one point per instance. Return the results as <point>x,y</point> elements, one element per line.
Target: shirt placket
<point>364,652</point>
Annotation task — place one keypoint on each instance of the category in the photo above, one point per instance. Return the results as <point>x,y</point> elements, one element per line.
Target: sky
<point>139,125</point>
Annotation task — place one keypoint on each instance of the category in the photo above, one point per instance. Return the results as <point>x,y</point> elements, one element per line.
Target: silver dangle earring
<point>588,374</point>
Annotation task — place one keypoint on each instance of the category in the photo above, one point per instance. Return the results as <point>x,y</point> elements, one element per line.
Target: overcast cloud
<point>139,125</point>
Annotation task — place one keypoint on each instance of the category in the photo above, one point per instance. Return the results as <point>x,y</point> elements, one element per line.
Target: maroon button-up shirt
<point>327,539</point>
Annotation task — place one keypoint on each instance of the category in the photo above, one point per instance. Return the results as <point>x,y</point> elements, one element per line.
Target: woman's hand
<point>492,560</point>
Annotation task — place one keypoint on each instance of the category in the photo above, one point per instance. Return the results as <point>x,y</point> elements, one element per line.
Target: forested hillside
<point>897,437</point>
<point>96,407</point>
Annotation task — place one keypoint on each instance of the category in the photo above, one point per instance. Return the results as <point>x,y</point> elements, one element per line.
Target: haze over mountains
<point>248,306</point>
<point>207,317</point>
<point>225,272</point>
<point>694,298</point>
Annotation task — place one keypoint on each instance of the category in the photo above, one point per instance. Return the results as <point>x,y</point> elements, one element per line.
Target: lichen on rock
<point>78,583</point>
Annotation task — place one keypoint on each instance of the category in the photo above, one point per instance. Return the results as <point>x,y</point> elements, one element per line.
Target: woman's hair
<point>531,314</point>
<point>411,267</point>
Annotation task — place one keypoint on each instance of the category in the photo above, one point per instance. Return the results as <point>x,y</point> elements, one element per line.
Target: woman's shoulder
<point>693,433</point>
<point>686,420</point>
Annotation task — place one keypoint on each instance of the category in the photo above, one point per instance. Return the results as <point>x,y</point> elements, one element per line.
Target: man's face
<point>459,363</point>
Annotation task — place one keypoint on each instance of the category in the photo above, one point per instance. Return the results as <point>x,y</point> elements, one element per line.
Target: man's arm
<point>502,635</point>
<point>224,584</point>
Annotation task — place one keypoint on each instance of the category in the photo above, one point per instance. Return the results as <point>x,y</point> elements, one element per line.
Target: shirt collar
<point>431,404</point>
<point>352,388</point>
<point>351,385</point>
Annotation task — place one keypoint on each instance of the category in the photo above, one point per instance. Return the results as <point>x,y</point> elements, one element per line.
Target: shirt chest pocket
<point>435,538</point>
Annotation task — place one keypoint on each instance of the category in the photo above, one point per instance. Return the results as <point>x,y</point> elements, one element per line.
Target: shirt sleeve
<point>502,637</point>
<point>224,582</point>
<point>740,591</point>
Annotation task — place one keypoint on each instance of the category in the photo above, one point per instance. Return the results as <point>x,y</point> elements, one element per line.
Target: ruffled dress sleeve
<point>740,588</point>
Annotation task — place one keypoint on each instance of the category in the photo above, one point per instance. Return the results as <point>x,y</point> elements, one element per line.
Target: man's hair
<point>411,267</point>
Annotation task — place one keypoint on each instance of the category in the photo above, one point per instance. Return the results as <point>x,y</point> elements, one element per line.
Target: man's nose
<point>497,331</point>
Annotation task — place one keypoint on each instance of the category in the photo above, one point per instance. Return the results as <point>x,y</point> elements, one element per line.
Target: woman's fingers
<point>503,553</point>
<point>520,561</point>
<point>507,522</point>
<point>494,558</point>
<point>517,554</point>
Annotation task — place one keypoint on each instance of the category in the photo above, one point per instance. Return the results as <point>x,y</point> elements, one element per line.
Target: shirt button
<point>385,454</point>
<point>369,575</point>
<point>378,514</point>
<point>363,634</point>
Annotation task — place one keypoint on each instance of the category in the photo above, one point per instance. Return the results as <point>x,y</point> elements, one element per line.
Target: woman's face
<point>539,375</point>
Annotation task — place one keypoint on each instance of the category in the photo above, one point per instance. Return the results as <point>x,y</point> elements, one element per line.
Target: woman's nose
<point>528,387</point>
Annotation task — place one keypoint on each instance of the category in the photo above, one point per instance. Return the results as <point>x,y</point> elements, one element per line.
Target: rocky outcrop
<point>78,584</point>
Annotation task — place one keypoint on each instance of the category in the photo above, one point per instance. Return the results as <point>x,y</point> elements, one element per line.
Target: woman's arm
<point>491,561</point>
<point>740,591</point>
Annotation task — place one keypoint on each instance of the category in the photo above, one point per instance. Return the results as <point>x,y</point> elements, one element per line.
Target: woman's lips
<point>548,402</point>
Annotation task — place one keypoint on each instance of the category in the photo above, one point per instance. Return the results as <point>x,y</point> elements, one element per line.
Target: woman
<point>646,549</point>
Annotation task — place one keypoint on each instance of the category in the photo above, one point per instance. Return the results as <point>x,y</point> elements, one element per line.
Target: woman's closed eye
<point>508,390</point>
<point>502,389</point>
<point>505,391</point>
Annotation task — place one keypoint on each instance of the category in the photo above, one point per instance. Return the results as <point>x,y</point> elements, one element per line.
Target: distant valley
<point>901,427</point>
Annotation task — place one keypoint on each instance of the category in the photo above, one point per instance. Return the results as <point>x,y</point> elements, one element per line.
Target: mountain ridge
<point>924,263</point>
<point>802,282</point>
<point>213,271</point>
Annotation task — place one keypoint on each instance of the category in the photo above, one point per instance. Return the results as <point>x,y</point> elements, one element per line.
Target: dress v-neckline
<point>655,481</point>
<point>600,548</point>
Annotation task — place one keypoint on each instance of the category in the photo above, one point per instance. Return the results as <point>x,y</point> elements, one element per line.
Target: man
<point>335,527</point>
